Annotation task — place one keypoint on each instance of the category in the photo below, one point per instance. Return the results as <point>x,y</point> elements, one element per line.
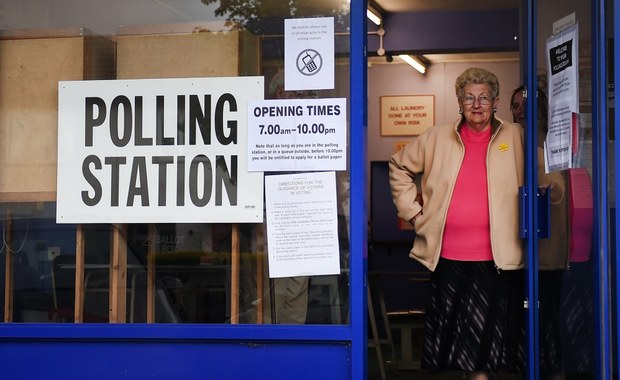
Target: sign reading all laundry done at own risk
<point>157,151</point>
<point>407,115</point>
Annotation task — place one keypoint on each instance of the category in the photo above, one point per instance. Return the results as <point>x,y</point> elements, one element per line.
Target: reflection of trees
<point>267,16</point>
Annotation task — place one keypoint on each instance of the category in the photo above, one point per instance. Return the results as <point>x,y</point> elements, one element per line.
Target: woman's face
<point>518,108</point>
<point>477,106</point>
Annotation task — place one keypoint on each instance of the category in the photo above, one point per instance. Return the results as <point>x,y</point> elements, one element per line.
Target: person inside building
<point>467,232</point>
<point>290,293</point>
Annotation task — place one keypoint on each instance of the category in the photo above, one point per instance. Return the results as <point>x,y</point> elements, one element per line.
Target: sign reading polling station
<point>157,151</point>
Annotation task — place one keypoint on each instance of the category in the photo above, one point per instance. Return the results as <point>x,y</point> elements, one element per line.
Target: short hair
<point>277,81</point>
<point>476,75</point>
<point>543,108</point>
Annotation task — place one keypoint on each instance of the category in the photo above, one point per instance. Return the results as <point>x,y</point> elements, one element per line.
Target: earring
<point>460,112</point>
<point>494,110</point>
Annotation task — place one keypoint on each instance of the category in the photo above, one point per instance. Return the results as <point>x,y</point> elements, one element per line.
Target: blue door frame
<point>616,216</point>
<point>601,246</point>
<point>529,17</point>
<point>156,351</point>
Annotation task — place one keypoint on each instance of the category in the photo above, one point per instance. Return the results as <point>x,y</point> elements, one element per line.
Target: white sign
<point>563,93</point>
<point>156,151</point>
<point>297,134</point>
<point>302,224</point>
<point>309,57</point>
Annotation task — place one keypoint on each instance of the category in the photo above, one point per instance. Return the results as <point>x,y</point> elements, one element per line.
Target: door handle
<point>544,212</point>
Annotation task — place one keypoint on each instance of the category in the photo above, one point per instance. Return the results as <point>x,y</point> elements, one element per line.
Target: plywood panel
<point>30,69</point>
<point>202,54</point>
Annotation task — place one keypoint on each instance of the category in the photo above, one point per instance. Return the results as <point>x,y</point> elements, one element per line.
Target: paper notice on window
<point>302,224</point>
<point>309,58</point>
<point>563,93</point>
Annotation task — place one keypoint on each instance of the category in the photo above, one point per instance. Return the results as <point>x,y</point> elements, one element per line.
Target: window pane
<point>147,272</point>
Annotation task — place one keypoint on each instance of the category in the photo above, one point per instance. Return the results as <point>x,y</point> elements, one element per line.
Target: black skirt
<point>550,342</point>
<point>577,321</point>
<point>474,318</point>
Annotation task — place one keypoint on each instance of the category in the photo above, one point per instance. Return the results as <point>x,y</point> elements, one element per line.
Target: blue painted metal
<point>601,259</point>
<point>443,32</point>
<point>173,359</point>
<point>158,332</point>
<point>529,42</point>
<point>359,214</point>
<point>616,74</point>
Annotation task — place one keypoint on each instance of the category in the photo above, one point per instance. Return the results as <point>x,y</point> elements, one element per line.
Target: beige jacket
<point>437,155</point>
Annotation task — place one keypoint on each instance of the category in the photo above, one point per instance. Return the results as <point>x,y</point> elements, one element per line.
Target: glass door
<point>565,198</point>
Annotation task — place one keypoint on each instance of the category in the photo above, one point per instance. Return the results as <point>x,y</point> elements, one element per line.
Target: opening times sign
<point>297,134</point>
<point>157,150</point>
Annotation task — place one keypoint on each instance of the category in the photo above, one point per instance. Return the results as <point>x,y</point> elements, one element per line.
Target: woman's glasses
<point>483,100</point>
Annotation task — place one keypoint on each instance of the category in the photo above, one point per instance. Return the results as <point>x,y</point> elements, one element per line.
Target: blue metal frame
<point>359,258</point>
<point>616,71</point>
<point>601,235</point>
<point>529,214</point>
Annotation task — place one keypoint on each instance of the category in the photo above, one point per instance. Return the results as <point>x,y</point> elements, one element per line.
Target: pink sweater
<point>467,233</point>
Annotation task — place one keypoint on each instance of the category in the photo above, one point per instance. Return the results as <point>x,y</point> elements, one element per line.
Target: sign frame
<point>406,115</point>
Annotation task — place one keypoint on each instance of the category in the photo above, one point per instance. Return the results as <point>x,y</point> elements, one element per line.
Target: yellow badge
<point>503,147</point>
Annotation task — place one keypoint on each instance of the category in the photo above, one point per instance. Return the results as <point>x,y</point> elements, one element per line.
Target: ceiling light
<point>374,15</point>
<point>415,62</point>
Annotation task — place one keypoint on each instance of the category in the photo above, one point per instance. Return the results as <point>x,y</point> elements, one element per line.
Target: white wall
<point>401,79</point>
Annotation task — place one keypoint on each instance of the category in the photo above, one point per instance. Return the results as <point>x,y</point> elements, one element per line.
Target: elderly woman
<point>467,231</point>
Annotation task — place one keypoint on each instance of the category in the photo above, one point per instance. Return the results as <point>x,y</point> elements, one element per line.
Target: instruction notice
<point>309,58</point>
<point>302,224</point>
<point>297,134</point>
<point>562,66</point>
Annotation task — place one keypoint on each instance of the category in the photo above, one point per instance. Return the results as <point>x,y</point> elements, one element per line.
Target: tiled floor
<point>374,372</point>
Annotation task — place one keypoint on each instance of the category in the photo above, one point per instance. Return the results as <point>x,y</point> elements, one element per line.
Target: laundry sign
<point>406,115</point>
<point>156,151</point>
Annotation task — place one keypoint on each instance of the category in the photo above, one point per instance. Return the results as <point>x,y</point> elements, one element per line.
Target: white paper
<point>302,224</point>
<point>297,135</point>
<point>157,151</point>
<point>563,93</point>
<point>309,53</point>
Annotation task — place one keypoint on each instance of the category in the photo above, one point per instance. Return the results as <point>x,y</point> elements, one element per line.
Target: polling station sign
<point>157,151</point>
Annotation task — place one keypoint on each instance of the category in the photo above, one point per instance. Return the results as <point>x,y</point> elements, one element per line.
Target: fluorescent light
<point>374,16</point>
<point>414,62</point>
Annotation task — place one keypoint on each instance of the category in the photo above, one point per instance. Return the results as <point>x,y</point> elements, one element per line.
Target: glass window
<point>159,271</point>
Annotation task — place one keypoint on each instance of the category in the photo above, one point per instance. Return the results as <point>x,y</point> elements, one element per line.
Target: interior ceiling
<point>398,6</point>
<point>444,5</point>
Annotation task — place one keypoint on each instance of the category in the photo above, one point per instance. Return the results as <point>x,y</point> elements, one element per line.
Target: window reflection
<point>175,273</point>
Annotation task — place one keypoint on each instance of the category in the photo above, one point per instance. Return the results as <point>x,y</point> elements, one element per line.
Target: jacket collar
<point>495,124</point>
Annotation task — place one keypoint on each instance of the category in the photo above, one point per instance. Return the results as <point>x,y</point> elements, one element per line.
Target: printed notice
<point>157,151</point>
<point>297,135</point>
<point>309,53</point>
<point>302,224</point>
<point>563,93</point>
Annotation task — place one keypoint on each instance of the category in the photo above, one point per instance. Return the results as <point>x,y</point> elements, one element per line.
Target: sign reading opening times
<point>297,134</point>
<point>157,150</point>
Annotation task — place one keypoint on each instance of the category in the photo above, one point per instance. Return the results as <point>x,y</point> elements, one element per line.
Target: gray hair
<point>476,75</point>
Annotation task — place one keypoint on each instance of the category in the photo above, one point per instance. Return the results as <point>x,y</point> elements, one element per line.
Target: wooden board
<point>30,69</point>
